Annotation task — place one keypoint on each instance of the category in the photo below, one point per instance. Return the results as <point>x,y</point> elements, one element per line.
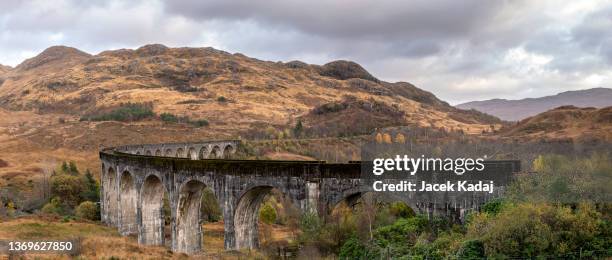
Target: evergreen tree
<point>65,168</point>
<point>73,170</point>
<point>92,191</point>
<point>297,130</point>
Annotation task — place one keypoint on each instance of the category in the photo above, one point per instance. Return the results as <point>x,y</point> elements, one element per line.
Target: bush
<point>471,249</point>
<point>353,249</point>
<point>53,207</point>
<point>402,233</point>
<point>170,118</point>
<point>267,213</point>
<point>401,210</point>
<point>529,230</point>
<point>68,188</point>
<point>222,99</point>
<point>125,112</point>
<point>494,206</point>
<point>200,122</point>
<point>563,179</point>
<point>88,210</point>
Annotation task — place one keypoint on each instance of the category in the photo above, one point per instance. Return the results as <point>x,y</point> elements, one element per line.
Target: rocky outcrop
<point>342,70</point>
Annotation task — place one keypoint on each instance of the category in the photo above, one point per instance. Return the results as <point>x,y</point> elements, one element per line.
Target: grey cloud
<point>459,50</point>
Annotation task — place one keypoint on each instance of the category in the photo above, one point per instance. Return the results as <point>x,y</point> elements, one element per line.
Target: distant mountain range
<point>515,110</point>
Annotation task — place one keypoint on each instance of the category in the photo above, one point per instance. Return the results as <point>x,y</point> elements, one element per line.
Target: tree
<point>298,129</point>
<point>10,209</point>
<point>64,168</point>
<point>72,168</point>
<point>387,138</point>
<point>68,188</point>
<point>400,138</point>
<point>92,191</point>
<point>379,138</point>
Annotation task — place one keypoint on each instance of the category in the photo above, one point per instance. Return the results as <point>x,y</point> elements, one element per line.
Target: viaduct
<point>136,177</point>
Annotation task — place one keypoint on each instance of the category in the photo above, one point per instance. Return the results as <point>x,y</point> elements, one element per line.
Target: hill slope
<point>514,110</point>
<point>565,122</point>
<point>4,69</point>
<point>207,83</point>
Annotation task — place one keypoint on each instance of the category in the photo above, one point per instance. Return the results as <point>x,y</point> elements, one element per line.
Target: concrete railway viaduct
<point>135,179</point>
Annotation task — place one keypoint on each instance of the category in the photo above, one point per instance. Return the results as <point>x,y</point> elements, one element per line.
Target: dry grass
<point>102,242</point>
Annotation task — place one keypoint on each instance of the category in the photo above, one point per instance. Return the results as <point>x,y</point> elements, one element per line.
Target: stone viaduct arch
<point>134,183</point>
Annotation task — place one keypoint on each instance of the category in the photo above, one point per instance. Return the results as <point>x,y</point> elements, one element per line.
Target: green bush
<point>401,210</point>
<point>563,179</point>
<point>267,213</point>
<point>170,118</point>
<point>311,225</point>
<point>494,206</point>
<point>125,112</point>
<point>471,249</point>
<point>68,188</point>
<point>533,229</point>
<point>88,210</point>
<point>353,248</point>
<point>200,122</point>
<point>53,207</point>
<point>222,99</point>
<point>403,232</point>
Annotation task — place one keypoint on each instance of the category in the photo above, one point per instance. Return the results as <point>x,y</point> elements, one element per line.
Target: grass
<point>103,242</point>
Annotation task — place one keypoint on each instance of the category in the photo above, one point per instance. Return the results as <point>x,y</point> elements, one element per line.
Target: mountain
<point>565,122</point>
<point>230,90</point>
<point>514,110</point>
<point>4,69</point>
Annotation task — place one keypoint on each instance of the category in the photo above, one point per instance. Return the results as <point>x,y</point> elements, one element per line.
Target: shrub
<point>200,122</point>
<point>528,230</point>
<point>170,118</point>
<point>68,188</point>
<point>401,209</point>
<point>494,206</point>
<point>222,99</point>
<point>353,249</point>
<point>403,232</point>
<point>125,112</point>
<point>88,210</point>
<point>267,213</point>
<point>53,207</point>
<point>471,249</point>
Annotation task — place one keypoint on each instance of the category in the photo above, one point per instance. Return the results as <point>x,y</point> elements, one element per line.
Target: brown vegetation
<point>565,122</point>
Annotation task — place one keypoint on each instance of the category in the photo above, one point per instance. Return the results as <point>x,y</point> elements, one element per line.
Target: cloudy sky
<point>459,50</point>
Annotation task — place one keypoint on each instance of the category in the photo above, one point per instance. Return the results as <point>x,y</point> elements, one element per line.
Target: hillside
<point>565,122</point>
<point>4,69</point>
<point>514,110</point>
<point>210,84</point>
